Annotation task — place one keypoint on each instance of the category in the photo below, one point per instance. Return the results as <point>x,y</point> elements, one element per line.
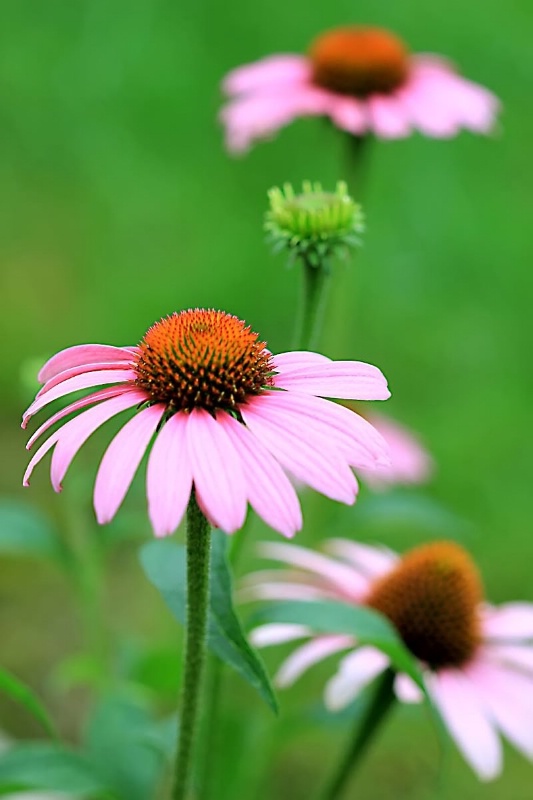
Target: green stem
<point>357,148</point>
<point>315,285</point>
<point>379,704</point>
<point>198,554</point>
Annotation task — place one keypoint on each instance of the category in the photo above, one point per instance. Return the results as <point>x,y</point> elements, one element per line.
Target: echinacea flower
<point>228,418</point>
<point>364,80</point>
<point>477,660</point>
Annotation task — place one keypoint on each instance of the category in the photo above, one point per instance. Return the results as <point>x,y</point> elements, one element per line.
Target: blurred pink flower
<point>477,660</point>
<point>228,416</point>
<point>410,463</point>
<point>364,80</point>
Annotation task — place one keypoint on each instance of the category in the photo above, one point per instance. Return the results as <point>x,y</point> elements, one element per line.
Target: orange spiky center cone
<point>202,359</point>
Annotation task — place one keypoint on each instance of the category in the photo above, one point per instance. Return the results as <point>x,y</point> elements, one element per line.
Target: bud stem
<point>315,285</point>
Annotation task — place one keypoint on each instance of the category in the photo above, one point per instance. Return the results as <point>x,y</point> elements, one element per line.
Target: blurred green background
<point>119,205</point>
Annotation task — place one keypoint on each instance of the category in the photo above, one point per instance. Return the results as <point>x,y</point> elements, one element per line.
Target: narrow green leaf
<point>165,566</point>
<point>22,694</point>
<point>48,766</point>
<point>25,531</point>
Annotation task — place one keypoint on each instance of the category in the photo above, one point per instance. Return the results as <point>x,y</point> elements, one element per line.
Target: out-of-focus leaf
<point>366,625</point>
<point>23,695</point>
<point>25,531</point>
<point>52,767</point>
<point>165,565</point>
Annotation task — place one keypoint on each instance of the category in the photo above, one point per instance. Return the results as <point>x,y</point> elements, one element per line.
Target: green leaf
<point>25,531</point>
<point>165,566</point>
<point>367,626</point>
<point>22,694</point>
<point>48,766</point>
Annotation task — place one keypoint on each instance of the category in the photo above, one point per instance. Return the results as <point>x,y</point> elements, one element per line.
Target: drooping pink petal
<point>356,670</point>
<point>74,433</point>
<point>283,590</point>
<point>423,102</point>
<point>217,471</point>
<point>278,633</point>
<point>508,697</point>
<point>85,381</point>
<point>89,400</point>
<point>406,689</point>
<point>268,489</point>
<point>311,459</point>
<point>410,463</point>
<point>345,580</point>
<point>82,354</point>
<point>346,380</point>
<point>468,721</point>
<point>297,359</point>
<point>79,370</point>
<point>304,657</point>
<point>121,460</point>
<point>348,113</point>
<point>388,117</point>
<point>275,70</point>
<point>518,656</point>
<point>508,621</point>
<point>373,562</point>
<point>169,476</point>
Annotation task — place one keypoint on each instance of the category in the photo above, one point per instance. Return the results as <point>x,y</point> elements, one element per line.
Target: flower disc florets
<point>314,223</point>
<point>202,359</point>
<point>432,597</point>
<point>359,61</point>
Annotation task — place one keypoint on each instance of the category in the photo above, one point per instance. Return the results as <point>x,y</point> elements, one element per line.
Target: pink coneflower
<point>364,80</point>
<point>226,414</point>
<point>477,659</point>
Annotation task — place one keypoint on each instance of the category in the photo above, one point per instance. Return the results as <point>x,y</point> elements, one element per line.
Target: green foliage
<point>26,531</point>
<point>49,766</point>
<point>22,694</point>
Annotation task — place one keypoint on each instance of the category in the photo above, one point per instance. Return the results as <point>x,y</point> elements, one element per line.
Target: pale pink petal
<point>518,656</point>
<point>297,359</point>
<point>121,460</point>
<point>388,117</point>
<point>371,561</point>
<point>467,720</point>
<point>349,113</point>
<point>217,471</point>
<point>74,433</point>
<point>77,383</point>
<point>409,463</point>
<point>309,458</point>
<point>508,697</point>
<point>79,370</point>
<point>309,654</point>
<point>349,583</point>
<point>82,354</point>
<point>282,69</point>
<point>423,103</point>
<point>169,476</point>
<point>508,621</point>
<point>278,633</point>
<point>348,380</point>
<point>268,489</point>
<point>406,689</point>
<point>284,591</point>
<point>90,399</point>
<point>356,670</point>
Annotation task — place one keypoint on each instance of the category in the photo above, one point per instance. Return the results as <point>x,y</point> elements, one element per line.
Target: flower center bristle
<point>359,61</point>
<point>432,597</point>
<point>202,359</point>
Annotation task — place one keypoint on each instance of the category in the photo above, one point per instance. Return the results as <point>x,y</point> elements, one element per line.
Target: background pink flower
<point>365,81</point>
<point>225,414</point>
<point>477,660</point>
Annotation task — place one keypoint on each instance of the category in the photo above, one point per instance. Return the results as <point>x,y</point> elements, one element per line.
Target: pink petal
<point>508,621</point>
<point>349,114</point>
<point>274,70</point>
<point>309,654</point>
<point>345,580</point>
<point>217,471</point>
<point>268,489</point>
<point>349,380</point>
<point>90,399</point>
<point>77,383</point>
<point>406,689</point>
<point>298,359</point>
<point>307,456</point>
<point>283,590</point>
<point>75,433</point>
<point>508,697</point>
<point>409,462</point>
<point>518,656</point>
<point>278,633</point>
<point>467,720</point>
<point>423,102</point>
<point>169,476</point>
<point>79,370</point>
<point>374,562</point>
<point>82,354</point>
<point>121,460</point>
<point>356,671</point>
<point>388,117</point>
